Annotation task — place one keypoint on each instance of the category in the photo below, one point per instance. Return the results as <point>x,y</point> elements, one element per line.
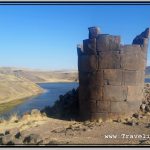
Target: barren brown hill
<point>14,88</point>
<point>42,76</point>
<point>147,71</point>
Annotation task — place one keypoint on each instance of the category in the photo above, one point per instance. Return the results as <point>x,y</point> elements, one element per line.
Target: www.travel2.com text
<point>127,136</point>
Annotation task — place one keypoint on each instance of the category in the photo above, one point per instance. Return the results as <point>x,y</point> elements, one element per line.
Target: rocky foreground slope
<point>14,88</point>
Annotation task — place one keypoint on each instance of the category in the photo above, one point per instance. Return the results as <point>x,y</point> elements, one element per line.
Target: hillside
<point>14,88</point>
<point>147,71</point>
<point>42,76</point>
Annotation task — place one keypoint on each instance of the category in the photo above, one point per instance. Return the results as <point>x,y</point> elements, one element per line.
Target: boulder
<point>12,131</point>
<point>7,140</point>
<point>32,139</point>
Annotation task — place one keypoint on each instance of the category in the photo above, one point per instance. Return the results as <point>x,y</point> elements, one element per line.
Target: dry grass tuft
<point>14,118</point>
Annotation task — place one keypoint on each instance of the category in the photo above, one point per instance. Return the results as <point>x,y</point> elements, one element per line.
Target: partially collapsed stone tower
<point>111,75</point>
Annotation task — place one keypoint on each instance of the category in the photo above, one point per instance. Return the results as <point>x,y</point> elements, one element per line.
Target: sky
<point>45,36</point>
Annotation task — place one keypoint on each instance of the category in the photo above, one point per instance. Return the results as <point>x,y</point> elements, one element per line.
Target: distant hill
<point>42,76</point>
<point>21,83</point>
<point>15,88</point>
<point>147,71</point>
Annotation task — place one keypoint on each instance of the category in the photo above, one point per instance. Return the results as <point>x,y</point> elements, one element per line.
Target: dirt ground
<point>63,132</point>
<point>131,131</point>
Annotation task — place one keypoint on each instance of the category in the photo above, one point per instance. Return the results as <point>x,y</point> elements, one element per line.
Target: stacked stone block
<point>111,75</point>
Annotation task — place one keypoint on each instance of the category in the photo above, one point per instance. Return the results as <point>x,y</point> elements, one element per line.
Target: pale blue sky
<point>45,37</point>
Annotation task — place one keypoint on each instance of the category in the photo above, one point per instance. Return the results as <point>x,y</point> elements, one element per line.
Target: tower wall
<point>111,75</point>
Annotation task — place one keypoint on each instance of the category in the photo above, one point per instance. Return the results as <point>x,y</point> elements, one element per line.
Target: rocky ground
<point>36,128</point>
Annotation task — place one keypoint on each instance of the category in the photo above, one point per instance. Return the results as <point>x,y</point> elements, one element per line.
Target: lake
<point>51,94</point>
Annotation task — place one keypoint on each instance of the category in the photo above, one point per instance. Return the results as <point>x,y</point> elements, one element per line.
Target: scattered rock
<point>17,141</point>
<point>84,129</point>
<point>136,115</point>
<point>1,140</point>
<point>23,134</point>
<point>7,139</point>
<point>148,125</point>
<point>119,120</point>
<point>147,108</point>
<point>10,143</point>
<point>131,121</point>
<point>18,135</point>
<point>12,131</point>
<point>86,123</point>
<point>146,141</point>
<point>53,142</point>
<point>1,134</point>
<point>7,132</point>
<point>59,130</point>
<point>32,139</point>
<point>148,113</point>
<point>142,107</point>
<point>100,121</point>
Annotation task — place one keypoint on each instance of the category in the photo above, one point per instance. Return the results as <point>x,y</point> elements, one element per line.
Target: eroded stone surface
<point>111,75</point>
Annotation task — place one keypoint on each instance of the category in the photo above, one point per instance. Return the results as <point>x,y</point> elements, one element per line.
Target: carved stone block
<point>90,92</point>
<point>131,58</point>
<point>114,93</point>
<point>93,32</point>
<point>133,77</point>
<point>91,78</point>
<point>113,76</point>
<point>118,107</point>
<point>87,63</point>
<point>135,93</point>
<point>89,46</point>
<point>93,107</point>
<point>107,43</point>
<point>109,60</point>
<point>103,106</point>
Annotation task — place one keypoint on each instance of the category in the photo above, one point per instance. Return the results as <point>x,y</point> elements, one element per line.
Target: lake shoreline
<point>59,81</point>
<point>9,106</point>
<point>4,107</point>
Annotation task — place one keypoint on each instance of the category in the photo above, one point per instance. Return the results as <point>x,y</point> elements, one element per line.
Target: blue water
<point>51,94</point>
<point>147,80</point>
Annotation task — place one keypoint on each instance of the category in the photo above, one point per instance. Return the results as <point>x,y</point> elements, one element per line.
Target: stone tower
<point>111,75</point>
